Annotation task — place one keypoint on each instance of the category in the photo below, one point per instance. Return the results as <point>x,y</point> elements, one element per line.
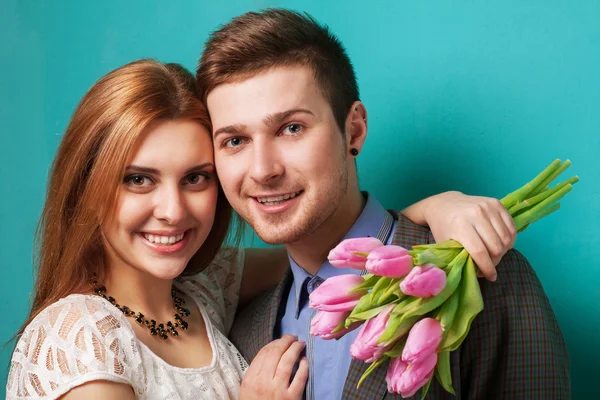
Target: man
<point>287,127</point>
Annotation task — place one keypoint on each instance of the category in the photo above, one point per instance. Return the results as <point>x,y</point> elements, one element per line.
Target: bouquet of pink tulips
<point>416,306</point>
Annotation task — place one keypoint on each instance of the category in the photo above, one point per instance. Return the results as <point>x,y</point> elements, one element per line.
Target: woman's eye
<point>137,180</point>
<point>194,179</point>
<point>292,129</point>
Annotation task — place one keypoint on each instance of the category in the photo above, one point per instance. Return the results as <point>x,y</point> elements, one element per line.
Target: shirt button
<point>314,283</point>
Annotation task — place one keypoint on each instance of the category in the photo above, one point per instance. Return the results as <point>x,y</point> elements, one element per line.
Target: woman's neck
<point>140,291</point>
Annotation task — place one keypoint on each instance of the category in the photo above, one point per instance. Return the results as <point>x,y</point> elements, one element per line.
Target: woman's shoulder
<point>69,315</point>
<point>217,287</point>
<point>74,340</point>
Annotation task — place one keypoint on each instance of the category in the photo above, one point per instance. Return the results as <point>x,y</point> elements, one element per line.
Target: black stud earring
<point>354,151</point>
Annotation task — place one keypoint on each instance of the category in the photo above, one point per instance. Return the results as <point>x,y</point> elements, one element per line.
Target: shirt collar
<point>368,223</point>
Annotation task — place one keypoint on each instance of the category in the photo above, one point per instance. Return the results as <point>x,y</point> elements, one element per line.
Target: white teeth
<point>163,239</point>
<point>277,199</point>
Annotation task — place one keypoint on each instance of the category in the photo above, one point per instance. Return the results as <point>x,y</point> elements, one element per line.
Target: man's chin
<point>278,235</point>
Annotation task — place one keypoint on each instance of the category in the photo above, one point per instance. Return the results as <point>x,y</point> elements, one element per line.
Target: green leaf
<point>443,372</point>
<point>452,282</point>
<point>399,324</point>
<point>426,389</point>
<point>396,328</point>
<point>448,244</point>
<point>374,365</point>
<point>439,257</point>
<point>406,304</point>
<point>382,293</point>
<point>448,311</point>
<point>370,281</point>
<point>363,316</point>
<point>469,305</point>
<point>396,350</point>
<point>381,284</point>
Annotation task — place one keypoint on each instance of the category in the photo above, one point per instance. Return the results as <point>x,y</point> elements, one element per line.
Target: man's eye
<point>137,180</point>
<point>292,129</point>
<point>233,142</point>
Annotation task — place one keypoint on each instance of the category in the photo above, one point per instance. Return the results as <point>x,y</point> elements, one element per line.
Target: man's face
<point>279,153</point>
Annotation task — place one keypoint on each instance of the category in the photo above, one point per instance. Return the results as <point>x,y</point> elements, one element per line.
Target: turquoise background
<point>470,95</point>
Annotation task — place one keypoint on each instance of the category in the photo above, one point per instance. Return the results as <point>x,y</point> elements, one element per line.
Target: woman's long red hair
<point>89,167</point>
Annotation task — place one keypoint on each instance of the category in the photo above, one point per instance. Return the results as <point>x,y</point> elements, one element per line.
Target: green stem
<point>531,201</point>
<point>521,193</point>
<point>550,178</point>
<point>533,213</point>
<point>547,211</point>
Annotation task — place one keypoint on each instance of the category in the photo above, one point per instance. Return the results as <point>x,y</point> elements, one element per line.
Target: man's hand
<point>268,377</point>
<point>481,224</point>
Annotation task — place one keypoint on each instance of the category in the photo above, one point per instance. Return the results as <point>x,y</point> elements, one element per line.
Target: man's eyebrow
<point>279,117</point>
<point>273,119</point>
<point>236,129</point>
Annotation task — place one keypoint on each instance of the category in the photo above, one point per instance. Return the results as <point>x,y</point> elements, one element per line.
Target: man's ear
<point>356,128</point>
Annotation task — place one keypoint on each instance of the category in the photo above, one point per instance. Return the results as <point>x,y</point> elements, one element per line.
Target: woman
<point>133,212</point>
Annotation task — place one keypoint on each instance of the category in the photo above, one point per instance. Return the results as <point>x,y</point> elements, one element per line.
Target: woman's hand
<point>481,224</point>
<point>269,375</point>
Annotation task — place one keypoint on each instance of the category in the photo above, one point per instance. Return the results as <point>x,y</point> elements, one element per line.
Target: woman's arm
<point>481,224</point>
<point>100,390</point>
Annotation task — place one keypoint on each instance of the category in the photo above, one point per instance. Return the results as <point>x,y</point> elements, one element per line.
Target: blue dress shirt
<point>329,360</point>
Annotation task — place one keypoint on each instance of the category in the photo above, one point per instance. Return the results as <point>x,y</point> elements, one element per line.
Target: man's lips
<point>277,203</point>
<point>276,198</point>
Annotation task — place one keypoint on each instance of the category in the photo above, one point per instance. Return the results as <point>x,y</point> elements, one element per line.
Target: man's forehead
<point>271,92</point>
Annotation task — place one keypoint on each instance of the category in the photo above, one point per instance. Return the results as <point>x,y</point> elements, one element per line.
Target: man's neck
<point>311,251</point>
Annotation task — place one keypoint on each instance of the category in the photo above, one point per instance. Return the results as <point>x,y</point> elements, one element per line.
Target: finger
<point>256,370</point>
<point>276,349</point>
<point>476,247</point>
<point>509,222</point>
<point>296,388</point>
<point>503,233</point>
<point>288,360</point>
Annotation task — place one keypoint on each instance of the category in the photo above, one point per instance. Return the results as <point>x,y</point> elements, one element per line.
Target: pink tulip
<point>424,281</point>
<point>389,261</point>
<point>324,322</point>
<point>342,255</point>
<point>423,339</point>
<point>406,379</point>
<point>333,294</point>
<point>365,346</point>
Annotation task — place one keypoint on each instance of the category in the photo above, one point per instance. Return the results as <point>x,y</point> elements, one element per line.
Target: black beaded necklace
<point>161,330</point>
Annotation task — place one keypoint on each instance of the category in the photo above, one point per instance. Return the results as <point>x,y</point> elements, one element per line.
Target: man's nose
<point>266,163</point>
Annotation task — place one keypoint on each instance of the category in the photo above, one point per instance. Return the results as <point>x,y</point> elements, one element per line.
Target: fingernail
<point>493,278</point>
<point>295,337</point>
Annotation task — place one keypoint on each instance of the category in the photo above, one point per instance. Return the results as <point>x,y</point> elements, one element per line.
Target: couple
<point>135,293</point>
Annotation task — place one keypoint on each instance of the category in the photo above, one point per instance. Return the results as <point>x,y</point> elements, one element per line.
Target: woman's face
<point>166,201</point>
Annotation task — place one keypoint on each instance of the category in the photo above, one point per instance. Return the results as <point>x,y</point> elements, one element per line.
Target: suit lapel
<point>265,316</point>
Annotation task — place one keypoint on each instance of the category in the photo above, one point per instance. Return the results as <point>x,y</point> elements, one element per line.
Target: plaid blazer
<point>515,349</point>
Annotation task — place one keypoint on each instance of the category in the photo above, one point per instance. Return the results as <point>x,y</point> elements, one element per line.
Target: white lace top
<point>83,338</point>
